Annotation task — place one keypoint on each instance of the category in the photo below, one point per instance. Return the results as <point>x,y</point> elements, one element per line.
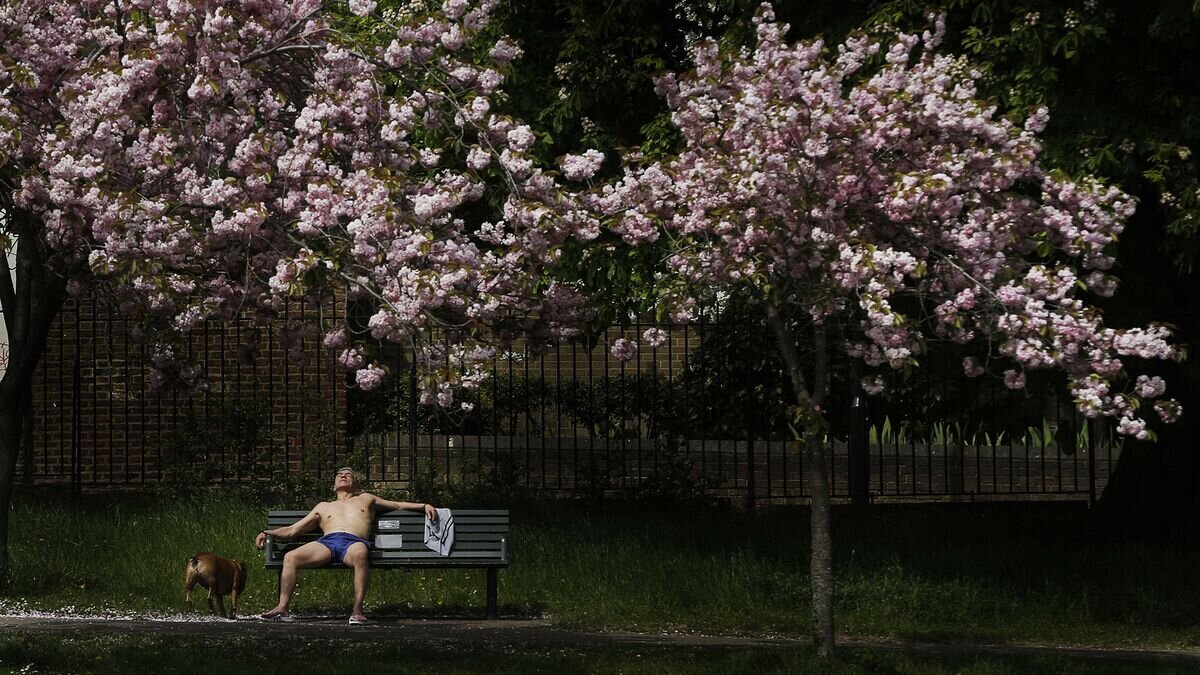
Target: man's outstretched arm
<point>381,503</point>
<point>301,526</point>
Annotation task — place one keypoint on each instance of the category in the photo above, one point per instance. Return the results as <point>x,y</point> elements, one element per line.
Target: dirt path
<point>527,632</point>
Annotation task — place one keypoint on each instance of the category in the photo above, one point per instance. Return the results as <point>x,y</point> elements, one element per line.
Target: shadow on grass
<point>116,653</point>
<point>1011,571</point>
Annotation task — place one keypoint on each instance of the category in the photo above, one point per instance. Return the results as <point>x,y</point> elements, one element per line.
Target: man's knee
<point>355,556</point>
<point>291,559</point>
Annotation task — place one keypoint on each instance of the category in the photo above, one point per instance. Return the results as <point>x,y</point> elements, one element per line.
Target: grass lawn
<point>1019,574</point>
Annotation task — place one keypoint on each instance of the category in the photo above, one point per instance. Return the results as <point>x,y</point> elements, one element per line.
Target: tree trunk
<point>30,307</point>
<point>10,443</point>
<point>811,419</point>
<point>821,558</point>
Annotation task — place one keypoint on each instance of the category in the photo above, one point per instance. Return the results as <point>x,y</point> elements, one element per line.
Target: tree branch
<point>808,414</point>
<point>39,295</point>
<point>8,296</point>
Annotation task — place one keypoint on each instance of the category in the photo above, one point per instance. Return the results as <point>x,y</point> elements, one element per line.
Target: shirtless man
<point>346,524</point>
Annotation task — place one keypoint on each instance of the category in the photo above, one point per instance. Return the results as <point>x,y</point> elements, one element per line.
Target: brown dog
<point>221,576</point>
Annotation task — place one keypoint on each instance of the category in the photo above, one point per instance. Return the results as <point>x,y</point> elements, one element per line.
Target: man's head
<point>344,480</point>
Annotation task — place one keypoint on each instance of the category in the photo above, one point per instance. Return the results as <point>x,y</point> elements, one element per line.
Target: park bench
<point>480,542</point>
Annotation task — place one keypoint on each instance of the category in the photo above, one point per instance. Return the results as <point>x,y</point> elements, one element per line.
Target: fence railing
<point>706,413</point>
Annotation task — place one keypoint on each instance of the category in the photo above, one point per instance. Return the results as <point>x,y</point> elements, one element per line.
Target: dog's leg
<point>221,606</point>
<point>211,607</point>
<point>189,581</point>
<point>239,585</point>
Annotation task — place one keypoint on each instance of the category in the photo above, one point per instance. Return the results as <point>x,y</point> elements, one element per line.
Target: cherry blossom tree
<point>209,159</point>
<point>864,195</point>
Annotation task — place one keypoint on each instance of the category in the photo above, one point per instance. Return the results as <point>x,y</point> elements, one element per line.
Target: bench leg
<point>491,593</point>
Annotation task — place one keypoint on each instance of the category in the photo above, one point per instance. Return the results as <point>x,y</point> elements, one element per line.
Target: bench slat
<point>458,546</point>
<point>459,532</point>
<point>403,514</point>
<point>394,555</point>
<point>413,525</point>
<point>476,563</point>
<point>415,552</point>
<point>409,544</point>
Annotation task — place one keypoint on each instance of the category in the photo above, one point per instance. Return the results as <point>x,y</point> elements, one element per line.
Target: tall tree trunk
<point>821,558</point>
<point>30,307</point>
<point>811,419</point>
<point>821,564</point>
<point>10,442</point>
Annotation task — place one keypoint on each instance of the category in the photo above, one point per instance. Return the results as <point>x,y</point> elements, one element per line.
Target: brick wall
<point>254,417</point>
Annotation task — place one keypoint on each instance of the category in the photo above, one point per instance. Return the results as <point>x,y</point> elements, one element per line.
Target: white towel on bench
<point>439,535</point>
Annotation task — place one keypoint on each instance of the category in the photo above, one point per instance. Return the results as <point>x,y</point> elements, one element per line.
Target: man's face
<point>343,480</point>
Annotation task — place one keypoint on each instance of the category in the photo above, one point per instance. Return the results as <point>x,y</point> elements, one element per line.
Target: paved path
<point>529,632</point>
<point>507,631</point>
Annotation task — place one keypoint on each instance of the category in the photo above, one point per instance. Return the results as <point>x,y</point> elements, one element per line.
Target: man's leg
<point>312,554</point>
<point>356,557</point>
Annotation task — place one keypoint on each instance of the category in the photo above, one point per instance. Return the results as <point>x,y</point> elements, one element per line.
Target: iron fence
<point>705,413</point>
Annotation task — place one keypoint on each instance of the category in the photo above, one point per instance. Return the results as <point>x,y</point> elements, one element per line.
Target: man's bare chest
<point>353,510</point>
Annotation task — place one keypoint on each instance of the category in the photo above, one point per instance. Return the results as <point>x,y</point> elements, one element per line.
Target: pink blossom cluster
<point>460,369</point>
<point>890,200</point>
<point>581,167</point>
<point>624,349</point>
<point>655,337</point>
<point>214,158</point>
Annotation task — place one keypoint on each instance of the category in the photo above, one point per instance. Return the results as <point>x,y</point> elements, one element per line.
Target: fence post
<point>76,430</point>
<point>348,416</point>
<point>1093,430</point>
<point>859,477</point>
<point>750,486</point>
<point>412,424</point>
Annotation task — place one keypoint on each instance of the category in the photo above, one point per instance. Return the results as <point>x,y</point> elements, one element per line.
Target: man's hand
<point>430,512</point>
<point>261,540</point>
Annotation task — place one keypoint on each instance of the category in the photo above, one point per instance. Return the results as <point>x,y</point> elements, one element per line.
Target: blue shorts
<point>338,542</point>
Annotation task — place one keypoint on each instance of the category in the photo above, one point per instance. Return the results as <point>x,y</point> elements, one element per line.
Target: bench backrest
<point>480,539</point>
